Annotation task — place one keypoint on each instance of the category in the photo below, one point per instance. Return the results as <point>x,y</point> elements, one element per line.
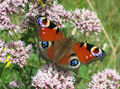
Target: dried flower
<point>50,77</point>
<point>107,79</point>
<point>86,21</point>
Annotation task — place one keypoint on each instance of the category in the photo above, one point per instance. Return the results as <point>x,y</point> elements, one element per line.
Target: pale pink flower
<point>14,84</point>
<point>107,79</point>
<point>18,52</point>
<point>34,9</point>
<point>86,21</point>
<point>50,77</point>
<point>55,13</point>
<point>9,7</point>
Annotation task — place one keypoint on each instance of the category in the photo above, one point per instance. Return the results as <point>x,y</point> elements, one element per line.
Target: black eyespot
<point>74,62</point>
<point>44,44</point>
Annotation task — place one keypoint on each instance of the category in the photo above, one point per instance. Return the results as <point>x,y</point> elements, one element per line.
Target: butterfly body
<point>63,51</point>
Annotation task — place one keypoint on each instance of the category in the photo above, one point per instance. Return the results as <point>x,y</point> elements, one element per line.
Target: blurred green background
<point>108,12</point>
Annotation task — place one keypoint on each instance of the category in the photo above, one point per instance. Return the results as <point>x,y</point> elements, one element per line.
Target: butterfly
<point>62,51</point>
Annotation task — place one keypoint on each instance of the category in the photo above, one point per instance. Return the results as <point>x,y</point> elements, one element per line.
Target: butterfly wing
<point>87,53</point>
<point>81,53</point>
<point>48,33</point>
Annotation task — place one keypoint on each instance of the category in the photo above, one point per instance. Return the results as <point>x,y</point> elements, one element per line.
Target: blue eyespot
<point>38,20</point>
<point>44,44</point>
<point>100,55</point>
<point>74,62</point>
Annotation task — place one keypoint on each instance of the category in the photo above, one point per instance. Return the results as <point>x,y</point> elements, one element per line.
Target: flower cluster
<point>8,7</point>
<point>86,21</point>
<point>14,52</point>
<point>55,13</point>
<point>107,79</point>
<point>33,9</point>
<point>50,77</point>
<point>83,19</point>
<point>17,52</point>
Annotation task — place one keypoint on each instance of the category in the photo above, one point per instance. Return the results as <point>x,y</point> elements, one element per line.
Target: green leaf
<point>1,69</point>
<point>6,75</point>
<point>84,72</point>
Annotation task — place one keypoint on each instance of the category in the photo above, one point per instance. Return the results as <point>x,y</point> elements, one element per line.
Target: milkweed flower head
<point>9,7</point>
<point>49,76</point>
<point>86,21</point>
<point>107,79</point>
<point>14,52</point>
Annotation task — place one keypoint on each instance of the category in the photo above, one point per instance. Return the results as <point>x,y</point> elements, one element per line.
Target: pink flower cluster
<point>107,79</point>
<point>86,21</point>
<point>50,77</point>
<point>83,19</point>
<point>33,10</point>
<point>16,51</point>
<point>55,13</point>
<point>9,7</point>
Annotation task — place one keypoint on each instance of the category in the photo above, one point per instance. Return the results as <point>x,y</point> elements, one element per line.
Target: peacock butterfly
<point>62,51</point>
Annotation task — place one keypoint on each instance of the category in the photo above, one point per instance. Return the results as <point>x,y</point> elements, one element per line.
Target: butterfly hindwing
<point>88,52</point>
<point>82,53</point>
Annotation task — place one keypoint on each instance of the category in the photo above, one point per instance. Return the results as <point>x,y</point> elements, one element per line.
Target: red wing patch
<point>83,54</point>
<point>47,34</point>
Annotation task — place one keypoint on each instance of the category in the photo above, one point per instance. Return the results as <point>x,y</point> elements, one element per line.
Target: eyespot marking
<point>42,21</point>
<point>45,44</point>
<point>74,62</point>
<point>98,53</point>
